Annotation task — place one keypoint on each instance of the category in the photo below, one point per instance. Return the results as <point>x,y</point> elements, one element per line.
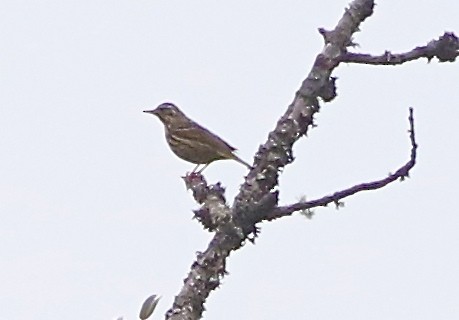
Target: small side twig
<point>446,49</point>
<point>214,212</point>
<point>401,173</point>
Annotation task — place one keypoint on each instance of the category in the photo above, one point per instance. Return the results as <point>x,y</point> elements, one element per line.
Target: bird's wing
<point>199,133</point>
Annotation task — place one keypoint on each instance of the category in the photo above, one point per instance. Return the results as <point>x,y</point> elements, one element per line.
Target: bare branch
<point>257,194</point>
<point>214,210</point>
<point>401,173</point>
<point>446,49</point>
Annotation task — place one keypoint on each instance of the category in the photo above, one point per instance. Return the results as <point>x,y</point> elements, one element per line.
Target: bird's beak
<point>155,112</point>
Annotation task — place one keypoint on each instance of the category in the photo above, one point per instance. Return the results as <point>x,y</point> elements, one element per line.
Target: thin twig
<point>401,173</point>
<point>446,49</point>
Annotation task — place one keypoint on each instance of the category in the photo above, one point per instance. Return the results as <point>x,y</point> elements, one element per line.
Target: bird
<point>190,141</point>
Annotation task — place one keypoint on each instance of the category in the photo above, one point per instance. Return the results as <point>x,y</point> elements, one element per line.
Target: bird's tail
<point>243,162</point>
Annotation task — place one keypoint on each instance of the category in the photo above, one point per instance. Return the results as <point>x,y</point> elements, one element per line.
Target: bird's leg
<point>196,168</point>
<point>202,169</point>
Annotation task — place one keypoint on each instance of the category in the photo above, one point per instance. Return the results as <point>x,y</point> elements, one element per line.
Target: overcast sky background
<point>94,215</point>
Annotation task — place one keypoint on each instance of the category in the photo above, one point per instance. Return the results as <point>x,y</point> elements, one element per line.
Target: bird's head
<point>168,113</point>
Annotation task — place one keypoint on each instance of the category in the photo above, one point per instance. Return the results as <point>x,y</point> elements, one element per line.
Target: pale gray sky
<point>95,217</point>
